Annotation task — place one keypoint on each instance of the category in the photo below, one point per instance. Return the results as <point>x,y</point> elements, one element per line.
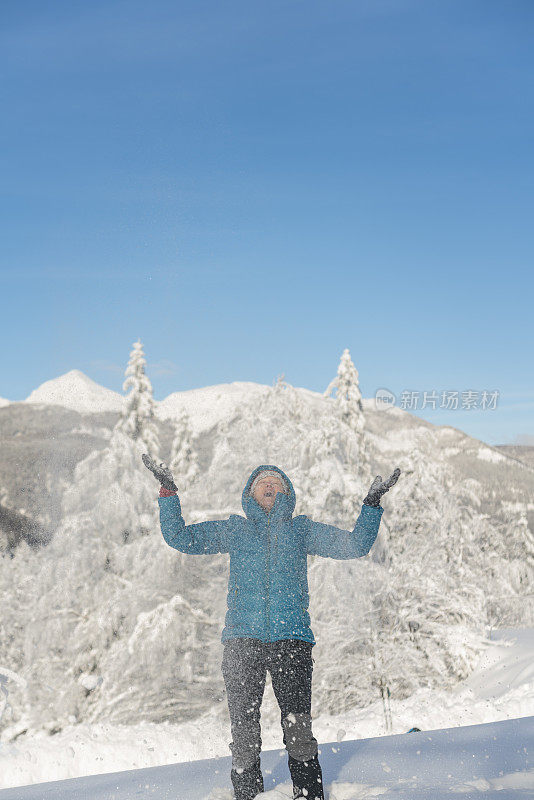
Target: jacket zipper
<point>268,578</point>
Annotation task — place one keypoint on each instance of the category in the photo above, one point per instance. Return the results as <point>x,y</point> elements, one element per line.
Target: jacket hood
<point>284,505</point>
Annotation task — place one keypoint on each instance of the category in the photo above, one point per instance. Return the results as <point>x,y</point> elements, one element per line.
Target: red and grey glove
<point>162,474</point>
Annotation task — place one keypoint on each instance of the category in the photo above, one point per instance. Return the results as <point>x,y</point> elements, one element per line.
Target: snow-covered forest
<point>103,623</point>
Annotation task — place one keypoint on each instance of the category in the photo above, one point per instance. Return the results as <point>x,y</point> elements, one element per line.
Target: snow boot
<point>307,779</point>
<point>247,784</point>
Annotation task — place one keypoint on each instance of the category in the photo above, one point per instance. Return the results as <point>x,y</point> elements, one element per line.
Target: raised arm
<point>331,542</point>
<point>202,538</point>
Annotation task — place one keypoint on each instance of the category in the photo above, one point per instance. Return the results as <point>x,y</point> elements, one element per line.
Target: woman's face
<point>265,492</point>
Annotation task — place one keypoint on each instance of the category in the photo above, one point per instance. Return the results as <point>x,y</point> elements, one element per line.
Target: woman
<point>267,623</point>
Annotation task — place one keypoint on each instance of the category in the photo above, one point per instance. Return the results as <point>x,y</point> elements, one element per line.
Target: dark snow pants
<point>289,662</point>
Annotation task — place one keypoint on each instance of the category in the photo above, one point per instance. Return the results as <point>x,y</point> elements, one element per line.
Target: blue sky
<point>251,187</point>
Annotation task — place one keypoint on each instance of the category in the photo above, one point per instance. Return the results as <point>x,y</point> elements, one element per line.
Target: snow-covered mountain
<point>4,402</point>
<point>77,391</point>
<point>210,405</point>
<point>206,406</point>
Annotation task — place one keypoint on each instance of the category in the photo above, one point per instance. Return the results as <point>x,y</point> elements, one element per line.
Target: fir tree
<point>138,419</point>
<point>184,459</point>
<point>348,395</point>
<point>348,407</point>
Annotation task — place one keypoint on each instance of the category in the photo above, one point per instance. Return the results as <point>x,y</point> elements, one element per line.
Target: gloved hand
<point>162,473</point>
<point>379,487</point>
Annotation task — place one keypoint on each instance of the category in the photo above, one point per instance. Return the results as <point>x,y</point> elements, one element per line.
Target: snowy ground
<point>490,761</point>
<point>502,688</point>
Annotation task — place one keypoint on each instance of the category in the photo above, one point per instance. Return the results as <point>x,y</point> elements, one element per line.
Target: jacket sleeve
<point>331,542</point>
<point>202,538</point>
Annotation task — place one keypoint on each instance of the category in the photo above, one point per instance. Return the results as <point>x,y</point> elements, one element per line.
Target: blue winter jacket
<point>268,585</point>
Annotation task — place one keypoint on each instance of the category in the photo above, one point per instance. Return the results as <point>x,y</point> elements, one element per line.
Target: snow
<point>448,452</point>
<point>129,644</point>
<point>206,406</point>
<point>89,682</point>
<point>403,440</point>
<point>86,430</point>
<point>369,404</point>
<point>504,670</point>
<point>488,454</point>
<point>77,391</point>
<point>4,402</point>
<point>209,405</point>
<point>487,751</point>
<point>492,760</point>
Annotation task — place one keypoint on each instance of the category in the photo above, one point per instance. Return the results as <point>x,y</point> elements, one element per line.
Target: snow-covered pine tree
<point>89,577</point>
<point>348,395</point>
<point>328,480</point>
<point>111,484</point>
<point>434,568</point>
<point>285,399</point>
<point>138,419</point>
<point>424,620</point>
<point>184,458</point>
<point>506,545</point>
<point>113,492</point>
<point>348,408</point>
<point>439,601</point>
